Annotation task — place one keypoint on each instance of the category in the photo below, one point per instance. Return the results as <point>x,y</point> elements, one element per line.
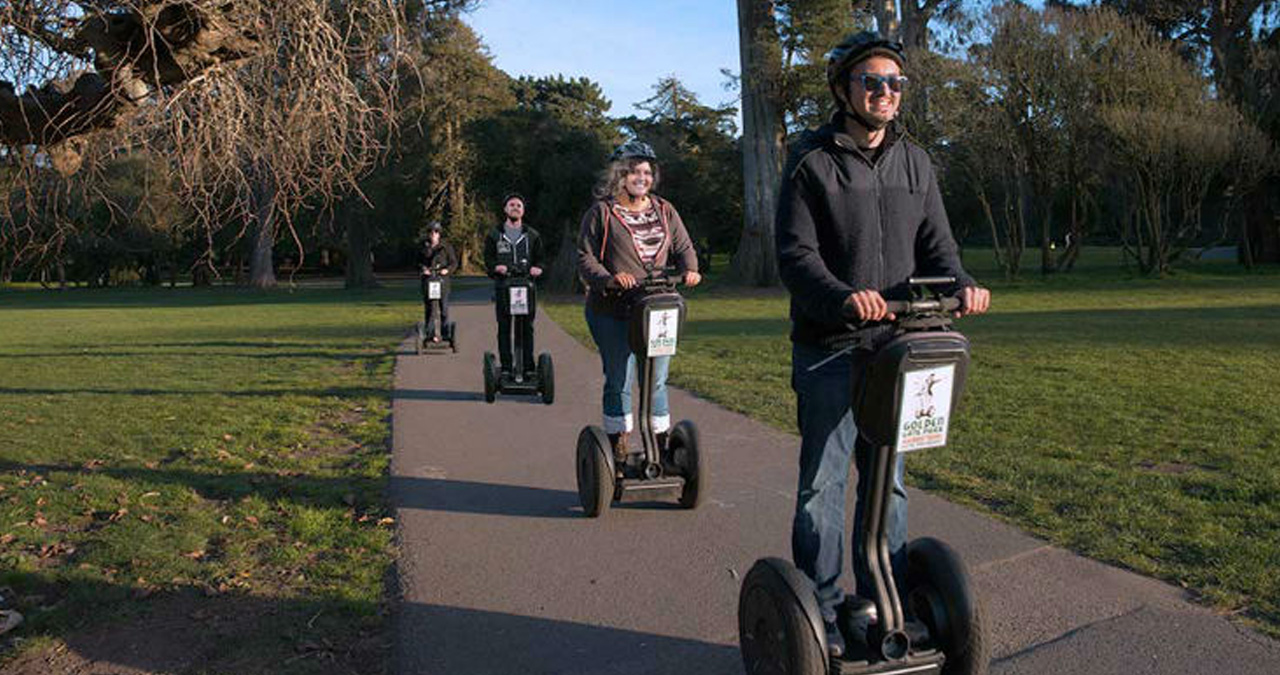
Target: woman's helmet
<point>634,149</point>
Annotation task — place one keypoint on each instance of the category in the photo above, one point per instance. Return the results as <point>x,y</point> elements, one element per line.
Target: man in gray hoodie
<point>859,214</point>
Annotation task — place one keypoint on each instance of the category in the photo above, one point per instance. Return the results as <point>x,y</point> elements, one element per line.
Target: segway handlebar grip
<point>900,307</point>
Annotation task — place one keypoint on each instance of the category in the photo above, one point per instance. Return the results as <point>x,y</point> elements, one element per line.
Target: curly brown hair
<point>610,185</point>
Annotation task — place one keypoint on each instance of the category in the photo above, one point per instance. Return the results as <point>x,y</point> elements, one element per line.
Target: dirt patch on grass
<point>186,632</point>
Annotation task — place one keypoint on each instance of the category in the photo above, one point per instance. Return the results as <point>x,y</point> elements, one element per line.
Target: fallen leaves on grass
<point>59,548</point>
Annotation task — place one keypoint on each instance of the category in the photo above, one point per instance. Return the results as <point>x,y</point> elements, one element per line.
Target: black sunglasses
<point>873,83</point>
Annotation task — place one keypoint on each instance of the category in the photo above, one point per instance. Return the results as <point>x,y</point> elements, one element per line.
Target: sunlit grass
<point>1132,420</point>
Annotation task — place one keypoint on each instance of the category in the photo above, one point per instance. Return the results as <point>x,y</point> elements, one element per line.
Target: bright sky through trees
<point>624,46</point>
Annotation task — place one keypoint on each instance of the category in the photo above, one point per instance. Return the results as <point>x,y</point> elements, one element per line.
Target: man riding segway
<point>513,259</point>
<point>860,213</point>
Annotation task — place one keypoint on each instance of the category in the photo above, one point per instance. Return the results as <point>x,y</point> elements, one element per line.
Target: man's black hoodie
<point>518,256</point>
<point>851,220</point>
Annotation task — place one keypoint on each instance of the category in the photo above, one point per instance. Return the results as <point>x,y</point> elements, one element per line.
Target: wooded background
<point>158,141</point>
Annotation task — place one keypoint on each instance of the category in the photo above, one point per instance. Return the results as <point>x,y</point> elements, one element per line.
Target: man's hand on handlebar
<point>535,272</point>
<point>692,279</point>
<point>624,280</point>
<point>868,305</point>
<point>500,270</point>
<point>444,271</point>
<point>974,300</point>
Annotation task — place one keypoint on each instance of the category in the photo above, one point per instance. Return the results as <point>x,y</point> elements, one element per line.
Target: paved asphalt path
<point>501,573</point>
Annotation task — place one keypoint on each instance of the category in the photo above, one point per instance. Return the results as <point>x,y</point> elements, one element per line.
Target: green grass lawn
<point>1135,421</point>
<point>216,450</point>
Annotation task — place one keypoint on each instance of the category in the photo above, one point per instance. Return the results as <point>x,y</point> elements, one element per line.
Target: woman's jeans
<point>610,335</point>
<point>828,441</point>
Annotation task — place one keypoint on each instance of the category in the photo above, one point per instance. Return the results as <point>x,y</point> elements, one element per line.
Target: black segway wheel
<point>682,446</point>
<point>453,336</point>
<point>595,471</point>
<point>938,594</point>
<point>491,377</point>
<point>779,630</point>
<point>418,337</point>
<point>546,378</point>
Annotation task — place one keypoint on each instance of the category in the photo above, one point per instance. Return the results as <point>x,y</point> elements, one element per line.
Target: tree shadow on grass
<point>328,392</point>
<point>90,353</point>
<point>113,628</point>
<point>108,628</point>
<point>410,492</point>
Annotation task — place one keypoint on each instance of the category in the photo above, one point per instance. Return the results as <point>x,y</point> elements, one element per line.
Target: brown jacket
<point>605,248</point>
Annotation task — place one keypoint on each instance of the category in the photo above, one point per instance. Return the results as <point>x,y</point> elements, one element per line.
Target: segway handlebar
<point>658,279</point>
<point>924,306</point>
<point>928,297</point>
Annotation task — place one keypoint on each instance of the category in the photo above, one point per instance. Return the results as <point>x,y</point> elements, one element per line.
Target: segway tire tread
<point>963,641</point>
<point>595,472</point>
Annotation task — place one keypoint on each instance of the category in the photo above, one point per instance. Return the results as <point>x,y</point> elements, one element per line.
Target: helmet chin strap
<point>862,121</point>
<point>846,109</point>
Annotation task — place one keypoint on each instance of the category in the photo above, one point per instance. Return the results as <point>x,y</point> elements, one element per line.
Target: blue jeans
<point>829,439</point>
<point>610,335</point>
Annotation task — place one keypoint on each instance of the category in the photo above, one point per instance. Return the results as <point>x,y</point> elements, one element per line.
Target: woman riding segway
<point>628,239</point>
<point>625,234</point>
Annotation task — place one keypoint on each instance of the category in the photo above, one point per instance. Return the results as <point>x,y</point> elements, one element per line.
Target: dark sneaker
<point>835,641</point>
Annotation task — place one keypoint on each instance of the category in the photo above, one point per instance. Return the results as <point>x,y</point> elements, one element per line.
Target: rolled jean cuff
<point>660,423</point>
<point>616,424</point>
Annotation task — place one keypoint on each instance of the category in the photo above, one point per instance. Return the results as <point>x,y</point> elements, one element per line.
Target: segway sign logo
<point>433,290</point>
<point>519,300</point>
<point>925,408</point>
<point>663,326</point>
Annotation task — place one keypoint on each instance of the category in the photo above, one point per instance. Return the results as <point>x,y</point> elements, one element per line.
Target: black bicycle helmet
<point>514,195</point>
<point>634,149</point>
<point>859,47</point>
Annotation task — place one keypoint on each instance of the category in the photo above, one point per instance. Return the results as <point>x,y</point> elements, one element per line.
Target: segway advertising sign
<point>433,290</point>
<point>926,408</point>
<point>663,326</point>
<point>519,300</point>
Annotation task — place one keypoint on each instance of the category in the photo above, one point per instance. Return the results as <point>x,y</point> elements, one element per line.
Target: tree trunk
<point>359,249</point>
<point>563,274</point>
<point>762,138</point>
<point>1260,240</point>
<point>1046,239</point>
<point>916,15</point>
<point>886,13</point>
<point>262,198</point>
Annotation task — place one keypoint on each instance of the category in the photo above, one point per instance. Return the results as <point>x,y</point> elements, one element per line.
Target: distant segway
<point>433,288</point>
<point>936,625</point>
<point>522,298</point>
<point>656,312</point>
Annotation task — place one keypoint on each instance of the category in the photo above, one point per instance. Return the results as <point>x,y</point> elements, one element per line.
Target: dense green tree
<point>700,160</point>
<point>550,147</point>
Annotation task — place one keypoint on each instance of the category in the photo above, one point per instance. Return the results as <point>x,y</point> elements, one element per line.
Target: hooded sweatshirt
<point>848,222</point>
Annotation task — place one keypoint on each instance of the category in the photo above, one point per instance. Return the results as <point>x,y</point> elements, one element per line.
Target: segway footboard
<point>650,489</point>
